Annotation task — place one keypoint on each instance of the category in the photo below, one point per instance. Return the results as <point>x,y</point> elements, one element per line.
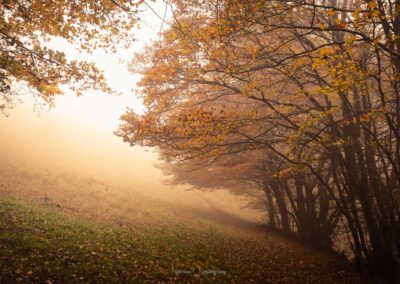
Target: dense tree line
<point>296,103</point>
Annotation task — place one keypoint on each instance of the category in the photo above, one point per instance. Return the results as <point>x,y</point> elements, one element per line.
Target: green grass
<point>62,229</point>
<point>48,245</point>
<point>42,245</point>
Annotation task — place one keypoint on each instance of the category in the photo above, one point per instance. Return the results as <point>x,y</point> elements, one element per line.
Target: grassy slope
<point>49,232</point>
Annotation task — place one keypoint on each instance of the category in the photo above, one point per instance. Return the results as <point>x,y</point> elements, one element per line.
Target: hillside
<point>59,228</point>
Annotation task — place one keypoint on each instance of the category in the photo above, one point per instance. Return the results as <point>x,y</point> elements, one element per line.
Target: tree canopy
<point>308,92</point>
<point>26,27</point>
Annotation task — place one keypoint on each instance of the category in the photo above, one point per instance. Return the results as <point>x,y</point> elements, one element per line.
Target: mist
<point>272,145</point>
<point>51,141</point>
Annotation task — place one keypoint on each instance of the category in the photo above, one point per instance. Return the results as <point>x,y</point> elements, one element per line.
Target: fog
<point>61,141</point>
<point>76,135</point>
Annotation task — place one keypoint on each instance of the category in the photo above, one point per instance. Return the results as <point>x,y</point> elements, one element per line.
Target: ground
<point>59,228</point>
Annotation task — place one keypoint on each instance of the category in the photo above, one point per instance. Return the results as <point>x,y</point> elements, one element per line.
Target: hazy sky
<point>100,109</point>
<point>83,126</point>
<point>77,134</point>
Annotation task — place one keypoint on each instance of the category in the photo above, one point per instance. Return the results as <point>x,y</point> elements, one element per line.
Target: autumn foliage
<point>27,26</point>
<point>296,103</point>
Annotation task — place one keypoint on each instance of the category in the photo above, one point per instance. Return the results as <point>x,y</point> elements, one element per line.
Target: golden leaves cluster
<point>27,26</point>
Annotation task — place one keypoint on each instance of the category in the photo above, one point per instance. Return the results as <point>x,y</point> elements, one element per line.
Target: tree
<point>26,27</point>
<point>315,83</point>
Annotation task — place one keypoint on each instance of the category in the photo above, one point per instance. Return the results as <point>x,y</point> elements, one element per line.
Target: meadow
<point>57,227</point>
